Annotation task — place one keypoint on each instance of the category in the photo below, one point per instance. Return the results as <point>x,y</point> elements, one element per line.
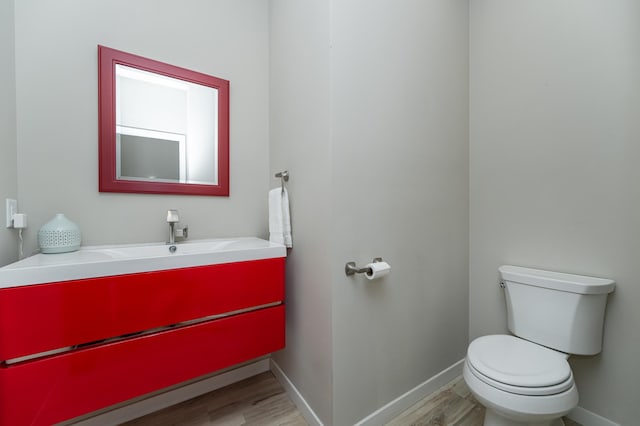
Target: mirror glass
<point>163,129</point>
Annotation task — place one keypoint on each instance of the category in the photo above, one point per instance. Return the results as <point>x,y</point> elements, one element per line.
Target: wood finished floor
<point>261,401</point>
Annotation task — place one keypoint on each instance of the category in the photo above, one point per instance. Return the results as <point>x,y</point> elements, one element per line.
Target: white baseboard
<point>295,395</point>
<point>587,418</point>
<point>171,397</point>
<point>383,414</point>
<point>392,409</point>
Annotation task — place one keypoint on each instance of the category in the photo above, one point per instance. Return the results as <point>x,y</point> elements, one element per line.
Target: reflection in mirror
<point>143,154</point>
<point>163,129</point>
<point>156,137</point>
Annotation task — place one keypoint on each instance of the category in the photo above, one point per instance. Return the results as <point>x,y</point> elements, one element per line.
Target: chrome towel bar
<point>284,177</point>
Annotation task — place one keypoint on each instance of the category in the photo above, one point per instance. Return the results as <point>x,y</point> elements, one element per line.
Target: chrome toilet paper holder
<point>350,268</point>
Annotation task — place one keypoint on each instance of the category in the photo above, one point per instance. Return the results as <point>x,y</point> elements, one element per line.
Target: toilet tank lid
<point>557,280</point>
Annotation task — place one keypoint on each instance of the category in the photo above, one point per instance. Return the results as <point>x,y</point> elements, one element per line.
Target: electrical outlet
<point>11,209</point>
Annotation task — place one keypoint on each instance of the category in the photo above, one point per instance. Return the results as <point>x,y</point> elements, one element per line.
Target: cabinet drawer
<point>50,390</point>
<point>45,317</point>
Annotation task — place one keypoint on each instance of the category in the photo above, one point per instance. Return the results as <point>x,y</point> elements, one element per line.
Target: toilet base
<point>492,418</point>
<point>507,409</point>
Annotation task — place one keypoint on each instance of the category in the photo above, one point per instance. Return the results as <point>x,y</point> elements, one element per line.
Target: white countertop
<point>109,260</point>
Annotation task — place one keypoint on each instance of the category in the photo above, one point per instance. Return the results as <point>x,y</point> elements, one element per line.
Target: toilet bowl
<point>525,379</point>
<point>519,382</point>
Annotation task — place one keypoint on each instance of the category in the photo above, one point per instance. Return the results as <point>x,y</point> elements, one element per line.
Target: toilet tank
<point>561,311</point>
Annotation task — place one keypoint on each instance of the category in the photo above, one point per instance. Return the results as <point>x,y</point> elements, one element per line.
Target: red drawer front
<point>50,316</point>
<point>61,387</point>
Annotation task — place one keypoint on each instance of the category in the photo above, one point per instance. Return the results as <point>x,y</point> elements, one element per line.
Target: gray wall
<point>57,111</point>
<point>369,113</point>
<point>8,177</point>
<point>400,190</point>
<point>554,102</point>
<point>300,142</point>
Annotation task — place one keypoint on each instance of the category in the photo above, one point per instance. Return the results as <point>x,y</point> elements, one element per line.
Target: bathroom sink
<point>108,260</point>
<point>161,250</point>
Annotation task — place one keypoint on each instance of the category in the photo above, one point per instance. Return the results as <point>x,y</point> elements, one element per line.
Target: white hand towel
<point>279,219</point>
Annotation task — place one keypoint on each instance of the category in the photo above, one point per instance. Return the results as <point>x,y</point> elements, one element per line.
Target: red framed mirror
<point>162,129</point>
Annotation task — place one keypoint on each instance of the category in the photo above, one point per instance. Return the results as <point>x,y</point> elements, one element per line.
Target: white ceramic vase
<point>59,235</point>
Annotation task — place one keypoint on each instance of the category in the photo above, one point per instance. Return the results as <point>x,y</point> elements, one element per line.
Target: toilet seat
<point>518,366</point>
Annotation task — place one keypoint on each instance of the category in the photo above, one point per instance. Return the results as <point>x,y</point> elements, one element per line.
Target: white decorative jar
<point>59,235</point>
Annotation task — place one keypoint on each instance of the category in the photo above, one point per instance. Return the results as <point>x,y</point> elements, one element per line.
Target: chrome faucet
<point>172,218</point>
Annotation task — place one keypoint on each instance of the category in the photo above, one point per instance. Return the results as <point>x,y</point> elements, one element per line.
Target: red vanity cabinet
<point>128,335</point>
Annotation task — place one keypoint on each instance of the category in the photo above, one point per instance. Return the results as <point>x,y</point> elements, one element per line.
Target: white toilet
<point>526,380</point>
